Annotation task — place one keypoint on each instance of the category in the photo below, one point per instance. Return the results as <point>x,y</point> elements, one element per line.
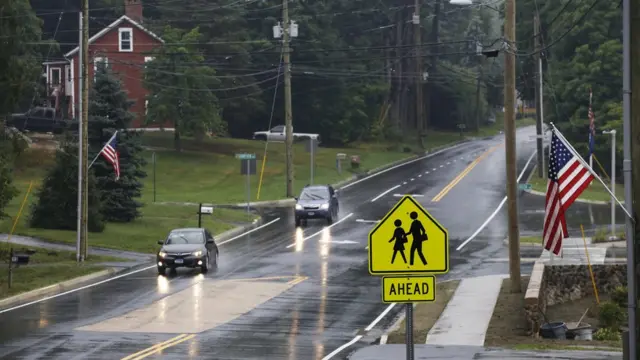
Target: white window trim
<point>59,76</point>
<point>123,30</point>
<point>96,60</point>
<point>73,90</point>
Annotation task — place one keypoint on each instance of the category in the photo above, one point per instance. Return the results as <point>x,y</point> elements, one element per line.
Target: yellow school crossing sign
<point>408,240</point>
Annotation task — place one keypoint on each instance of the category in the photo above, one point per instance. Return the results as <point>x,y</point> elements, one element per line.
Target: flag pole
<point>105,145</point>
<point>575,153</point>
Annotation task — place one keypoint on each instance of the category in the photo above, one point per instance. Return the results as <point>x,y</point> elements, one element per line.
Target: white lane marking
<point>338,350</point>
<point>380,317</point>
<point>412,179</point>
<point>448,162</point>
<point>249,232</point>
<point>323,229</point>
<point>461,157</point>
<point>367,221</point>
<point>385,193</point>
<point>426,172</point>
<point>441,165</point>
<point>78,289</point>
<point>434,169</point>
<point>403,164</point>
<point>420,175</point>
<point>497,209</point>
<point>404,183</point>
<point>401,195</point>
<point>117,277</point>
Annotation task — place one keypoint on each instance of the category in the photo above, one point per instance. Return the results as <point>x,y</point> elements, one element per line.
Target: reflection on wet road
<point>280,292</point>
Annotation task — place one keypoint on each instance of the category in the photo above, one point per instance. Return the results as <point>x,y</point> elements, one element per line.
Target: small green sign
<point>245,156</point>
<point>524,186</point>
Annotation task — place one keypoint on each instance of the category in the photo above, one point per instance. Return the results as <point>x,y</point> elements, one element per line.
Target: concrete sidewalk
<point>432,352</point>
<point>466,318</point>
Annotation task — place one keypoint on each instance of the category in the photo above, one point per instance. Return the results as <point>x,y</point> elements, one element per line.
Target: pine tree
<point>109,111</point>
<point>57,204</point>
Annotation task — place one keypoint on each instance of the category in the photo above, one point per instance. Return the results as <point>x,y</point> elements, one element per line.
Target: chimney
<point>133,10</point>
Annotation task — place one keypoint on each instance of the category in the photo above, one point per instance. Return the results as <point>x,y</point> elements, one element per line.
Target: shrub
<point>611,315</point>
<point>607,334</point>
<point>619,296</point>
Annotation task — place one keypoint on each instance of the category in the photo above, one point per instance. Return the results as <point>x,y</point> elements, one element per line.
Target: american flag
<point>111,154</point>
<point>592,125</point>
<point>568,178</point>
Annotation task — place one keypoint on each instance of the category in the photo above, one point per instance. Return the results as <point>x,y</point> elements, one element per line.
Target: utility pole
<point>288,116</point>
<point>510,143</point>
<point>434,35</point>
<point>417,42</point>
<point>84,52</point>
<point>539,99</point>
<point>81,158</point>
<point>631,145</point>
<point>478,92</point>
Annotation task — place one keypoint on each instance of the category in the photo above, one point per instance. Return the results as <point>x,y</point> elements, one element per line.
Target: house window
<point>125,42</point>
<point>55,76</point>
<point>102,61</point>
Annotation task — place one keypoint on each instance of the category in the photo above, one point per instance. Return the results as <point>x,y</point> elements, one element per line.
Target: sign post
<point>311,147</point>
<point>419,249</point>
<point>153,160</point>
<point>247,167</point>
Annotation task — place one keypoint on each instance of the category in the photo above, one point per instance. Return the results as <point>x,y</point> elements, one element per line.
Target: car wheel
<point>330,218</point>
<point>297,221</point>
<point>161,270</point>
<point>205,265</point>
<point>215,262</point>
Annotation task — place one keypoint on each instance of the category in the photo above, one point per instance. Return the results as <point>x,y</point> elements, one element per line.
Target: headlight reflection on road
<point>324,270</point>
<point>299,239</point>
<point>197,295</point>
<point>293,334</point>
<point>194,348</point>
<point>325,242</point>
<point>163,285</point>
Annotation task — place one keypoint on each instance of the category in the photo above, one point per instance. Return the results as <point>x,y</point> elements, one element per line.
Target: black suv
<point>189,247</point>
<point>317,202</point>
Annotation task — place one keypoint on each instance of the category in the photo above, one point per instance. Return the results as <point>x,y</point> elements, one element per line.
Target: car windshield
<point>315,194</point>
<point>185,237</point>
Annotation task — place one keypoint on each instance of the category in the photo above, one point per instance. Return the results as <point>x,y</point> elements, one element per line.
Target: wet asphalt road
<point>311,289</point>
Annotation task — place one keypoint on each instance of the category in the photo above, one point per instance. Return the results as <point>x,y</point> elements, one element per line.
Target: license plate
<point>311,213</point>
<point>179,261</point>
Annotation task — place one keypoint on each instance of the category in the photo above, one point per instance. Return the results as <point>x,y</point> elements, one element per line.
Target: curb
<point>238,230</point>
<point>59,287</point>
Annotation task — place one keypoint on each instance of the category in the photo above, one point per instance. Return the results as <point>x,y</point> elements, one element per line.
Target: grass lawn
<point>531,240</point>
<point>498,126</point>
<point>213,172</point>
<point>595,191</point>
<point>425,315</point>
<point>27,278</point>
<point>509,329</point>
<point>141,235</point>
<point>51,257</point>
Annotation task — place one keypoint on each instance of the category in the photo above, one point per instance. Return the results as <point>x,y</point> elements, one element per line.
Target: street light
<point>613,182</point>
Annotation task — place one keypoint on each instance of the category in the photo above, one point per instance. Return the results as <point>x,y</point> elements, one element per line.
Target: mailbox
<point>355,161</point>
<point>20,259</point>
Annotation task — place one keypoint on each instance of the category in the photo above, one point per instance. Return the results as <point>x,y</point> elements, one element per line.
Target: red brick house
<point>124,46</point>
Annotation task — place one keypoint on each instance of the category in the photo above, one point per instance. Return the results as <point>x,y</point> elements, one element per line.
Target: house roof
<point>112,26</point>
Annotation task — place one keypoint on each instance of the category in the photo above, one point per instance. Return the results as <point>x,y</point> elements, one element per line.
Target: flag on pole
<point>110,153</point>
<point>568,178</point>
<point>592,125</point>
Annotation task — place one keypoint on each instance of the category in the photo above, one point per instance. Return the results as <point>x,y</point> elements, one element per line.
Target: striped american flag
<point>110,153</point>
<point>568,178</point>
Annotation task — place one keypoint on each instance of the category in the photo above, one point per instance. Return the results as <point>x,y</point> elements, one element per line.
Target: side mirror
<point>210,241</point>
<point>160,242</point>
<point>295,198</point>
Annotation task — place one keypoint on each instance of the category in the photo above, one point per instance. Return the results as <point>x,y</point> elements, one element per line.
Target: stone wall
<point>571,282</point>
<point>556,284</point>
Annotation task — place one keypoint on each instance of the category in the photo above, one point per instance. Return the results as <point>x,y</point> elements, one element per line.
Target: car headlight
<point>324,206</point>
<point>298,207</point>
<point>197,253</point>
<point>162,254</point>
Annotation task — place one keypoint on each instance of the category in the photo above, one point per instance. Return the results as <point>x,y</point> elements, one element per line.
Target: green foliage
<point>180,86</point>
<point>19,58</point>
<point>109,111</point>
<point>611,315</point>
<point>607,334</point>
<point>7,190</point>
<point>57,199</point>
<point>619,296</point>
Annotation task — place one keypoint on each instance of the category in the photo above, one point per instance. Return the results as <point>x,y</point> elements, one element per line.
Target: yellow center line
<point>157,347</point>
<point>297,281</point>
<point>464,173</point>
